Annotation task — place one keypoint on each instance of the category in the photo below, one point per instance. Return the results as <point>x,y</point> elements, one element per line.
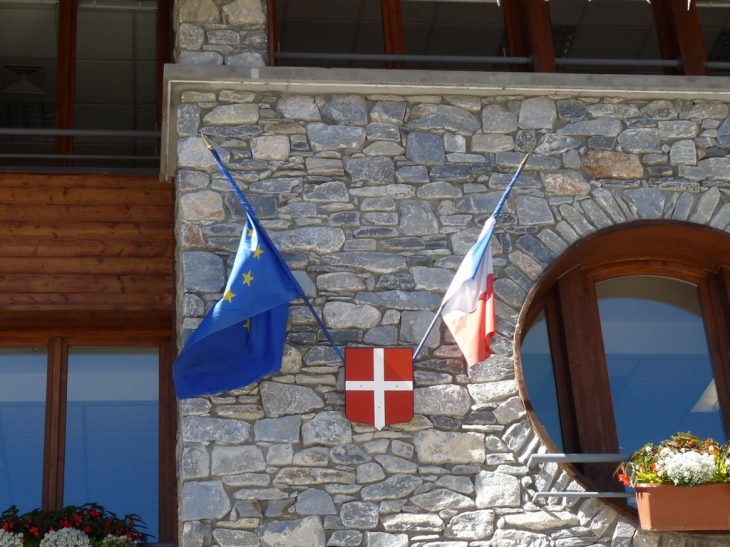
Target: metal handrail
<point>495,60</point>
<point>290,55</point>
<point>36,132</point>
<point>579,458</point>
<point>77,157</point>
<point>39,132</point>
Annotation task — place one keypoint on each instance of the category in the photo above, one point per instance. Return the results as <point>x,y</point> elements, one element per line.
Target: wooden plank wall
<point>92,243</point>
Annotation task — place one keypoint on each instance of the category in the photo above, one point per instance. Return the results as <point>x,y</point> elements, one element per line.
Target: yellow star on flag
<point>257,252</point>
<point>250,232</point>
<point>229,296</point>
<point>247,278</point>
<point>247,324</point>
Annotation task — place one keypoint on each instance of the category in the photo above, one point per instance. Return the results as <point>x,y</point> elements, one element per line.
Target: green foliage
<point>91,518</point>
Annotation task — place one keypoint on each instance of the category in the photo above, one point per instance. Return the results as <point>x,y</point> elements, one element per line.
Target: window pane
<point>115,79</point>
<point>112,430</point>
<point>537,370</point>
<point>605,29</point>
<point>658,360</point>
<point>715,21</point>
<point>454,28</point>
<point>331,26</point>
<point>28,42</point>
<point>22,422</point>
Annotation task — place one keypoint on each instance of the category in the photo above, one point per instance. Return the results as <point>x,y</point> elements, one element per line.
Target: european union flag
<point>241,340</point>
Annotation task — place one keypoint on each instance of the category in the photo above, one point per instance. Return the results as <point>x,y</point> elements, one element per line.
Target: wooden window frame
<point>66,68</point>
<point>58,344</point>
<point>677,250</point>
<point>529,34</point>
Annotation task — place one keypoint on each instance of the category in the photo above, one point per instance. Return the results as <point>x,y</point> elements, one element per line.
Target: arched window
<point>626,340</point>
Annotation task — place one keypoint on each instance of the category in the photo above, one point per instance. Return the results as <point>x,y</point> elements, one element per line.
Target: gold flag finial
<point>207,142</point>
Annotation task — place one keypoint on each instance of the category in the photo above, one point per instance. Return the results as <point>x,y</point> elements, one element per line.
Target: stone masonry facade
<point>373,200</point>
<point>218,32</point>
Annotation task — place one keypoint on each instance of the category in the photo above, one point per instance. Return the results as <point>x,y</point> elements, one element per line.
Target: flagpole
<point>285,267</point>
<point>495,214</point>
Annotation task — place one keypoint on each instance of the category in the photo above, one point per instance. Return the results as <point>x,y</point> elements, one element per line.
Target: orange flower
<point>624,478</point>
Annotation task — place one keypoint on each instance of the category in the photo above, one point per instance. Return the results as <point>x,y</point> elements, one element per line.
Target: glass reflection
<point>28,57</point>
<point>454,28</point>
<point>112,430</point>
<point>658,361</point>
<point>22,423</point>
<point>537,370</point>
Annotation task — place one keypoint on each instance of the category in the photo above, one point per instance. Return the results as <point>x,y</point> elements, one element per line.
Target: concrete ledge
<point>313,81</point>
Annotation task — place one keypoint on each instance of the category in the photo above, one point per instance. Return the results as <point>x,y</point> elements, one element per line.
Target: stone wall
<point>216,32</point>
<point>374,200</point>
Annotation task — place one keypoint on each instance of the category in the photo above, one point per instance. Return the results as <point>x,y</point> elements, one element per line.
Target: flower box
<point>668,507</point>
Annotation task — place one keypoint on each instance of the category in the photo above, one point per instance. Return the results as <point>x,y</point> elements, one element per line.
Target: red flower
<point>132,522</point>
<point>6,526</point>
<point>34,530</point>
<point>77,520</point>
<point>129,535</point>
<point>87,529</point>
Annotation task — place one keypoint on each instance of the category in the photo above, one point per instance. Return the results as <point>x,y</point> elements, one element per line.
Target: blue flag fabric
<point>241,340</point>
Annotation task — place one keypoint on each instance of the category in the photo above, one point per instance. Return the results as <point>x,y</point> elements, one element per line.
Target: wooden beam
<point>80,195</point>
<point>515,24</point>
<point>561,368</point>
<point>11,247</point>
<point>84,213</point>
<point>165,48</point>
<point>393,34</point>
<point>134,324</point>
<point>88,230</point>
<point>688,31</point>
<point>586,359</point>
<point>75,283</point>
<point>540,32</point>
<point>664,23</point>
<point>125,182</point>
<point>92,266</point>
<point>84,301</point>
<point>715,299</point>
<point>66,77</point>
<point>272,14</point>
<point>680,36</point>
<point>168,526</point>
<point>55,436</point>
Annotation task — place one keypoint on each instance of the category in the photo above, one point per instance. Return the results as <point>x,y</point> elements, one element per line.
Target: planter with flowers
<point>682,483</point>
<point>88,525</point>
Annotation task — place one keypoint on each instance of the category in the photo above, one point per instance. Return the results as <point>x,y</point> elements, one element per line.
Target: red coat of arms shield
<point>379,385</point>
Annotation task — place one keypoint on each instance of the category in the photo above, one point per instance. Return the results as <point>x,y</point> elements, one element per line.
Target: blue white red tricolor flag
<point>468,306</point>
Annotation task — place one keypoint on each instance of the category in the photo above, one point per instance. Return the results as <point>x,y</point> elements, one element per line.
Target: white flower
<point>687,468</point>
<point>66,537</point>
<point>118,541</point>
<point>8,539</point>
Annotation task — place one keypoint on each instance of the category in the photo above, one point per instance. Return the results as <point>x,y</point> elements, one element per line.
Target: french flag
<point>468,306</point>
